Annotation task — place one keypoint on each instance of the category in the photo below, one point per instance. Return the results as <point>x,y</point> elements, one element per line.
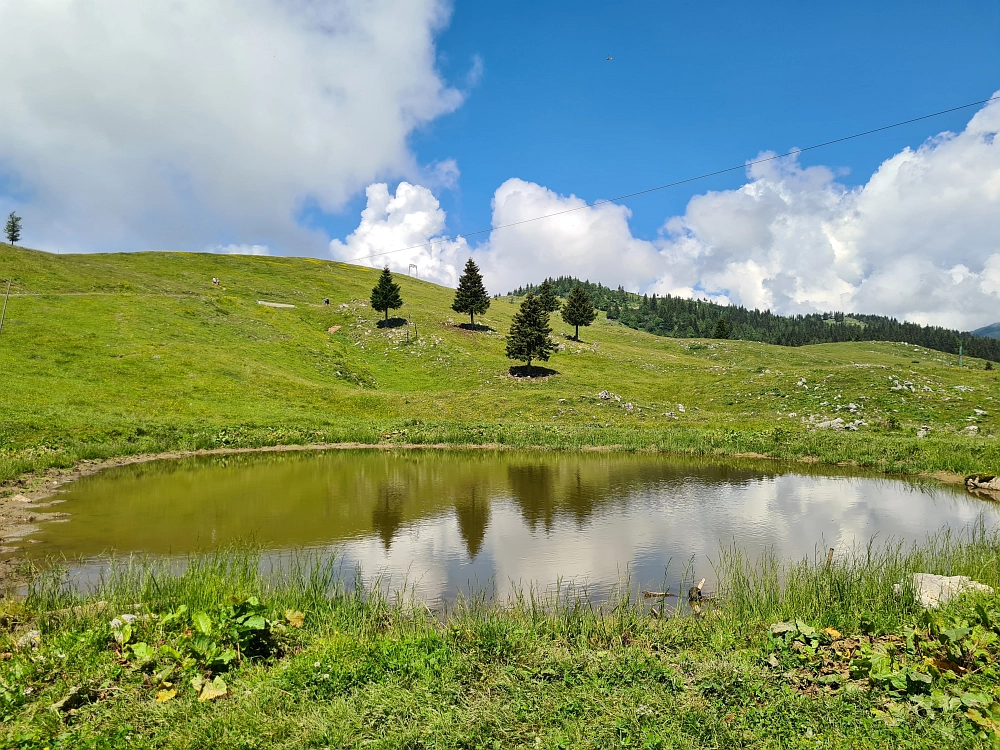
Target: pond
<point>443,522</point>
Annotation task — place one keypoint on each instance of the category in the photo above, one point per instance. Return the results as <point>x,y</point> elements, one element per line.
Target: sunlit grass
<point>556,669</point>
<point>113,355</point>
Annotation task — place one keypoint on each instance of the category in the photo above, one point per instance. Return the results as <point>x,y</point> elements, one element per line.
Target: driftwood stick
<point>656,594</point>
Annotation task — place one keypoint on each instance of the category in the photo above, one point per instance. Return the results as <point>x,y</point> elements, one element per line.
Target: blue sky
<point>347,128</point>
<point>692,87</point>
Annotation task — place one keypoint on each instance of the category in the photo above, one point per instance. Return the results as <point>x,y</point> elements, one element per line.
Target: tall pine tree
<point>385,295</point>
<point>547,297</point>
<point>579,309</point>
<point>13,228</point>
<point>471,296</point>
<point>529,333</point>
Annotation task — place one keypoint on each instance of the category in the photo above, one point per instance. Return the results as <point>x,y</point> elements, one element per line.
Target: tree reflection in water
<point>472,510</point>
<point>387,512</point>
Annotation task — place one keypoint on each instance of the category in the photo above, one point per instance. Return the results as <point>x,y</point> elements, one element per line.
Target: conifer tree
<point>547,297</point>
<point>722,330</point>
<point>471,296</point>
<point>579,309</point>
<point>13,228</point>
<point>385,295</point>
<point>529,333</point>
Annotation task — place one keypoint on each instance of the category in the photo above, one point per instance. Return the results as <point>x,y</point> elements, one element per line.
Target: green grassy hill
<point>106,355</point>
<point>993,331</point>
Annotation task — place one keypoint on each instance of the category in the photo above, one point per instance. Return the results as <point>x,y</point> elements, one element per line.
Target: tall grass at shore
<point>852,587</point>
<point>856,588</point>
<point>370,668</point>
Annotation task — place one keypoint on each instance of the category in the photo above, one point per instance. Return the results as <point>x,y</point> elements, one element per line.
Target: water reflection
<point>387,513</point>
<point>445,519</point>
<point>472,511</point>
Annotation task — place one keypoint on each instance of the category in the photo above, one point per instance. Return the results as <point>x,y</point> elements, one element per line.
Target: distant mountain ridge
<point>991,331</point>
<point>680,317</point>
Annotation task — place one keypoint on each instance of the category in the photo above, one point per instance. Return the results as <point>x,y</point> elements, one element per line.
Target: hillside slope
<point>993,331</point>
<point>698,318</point>
<point>108,355</point>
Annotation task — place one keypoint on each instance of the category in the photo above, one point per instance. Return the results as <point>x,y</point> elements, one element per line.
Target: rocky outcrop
<point>933,590</point>
<point>983,482</point>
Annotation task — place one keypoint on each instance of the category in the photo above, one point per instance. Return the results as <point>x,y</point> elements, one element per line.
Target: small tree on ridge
<point>385,295</point>
<point>579,309</point>
<point>471,296</point>
<point>13,228</point>
<point>529,333</point>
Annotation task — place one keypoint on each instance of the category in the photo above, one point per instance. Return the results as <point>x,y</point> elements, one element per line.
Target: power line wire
<point>687,180</point>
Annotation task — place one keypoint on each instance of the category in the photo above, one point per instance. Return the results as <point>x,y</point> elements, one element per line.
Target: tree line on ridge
<point>679,317</point>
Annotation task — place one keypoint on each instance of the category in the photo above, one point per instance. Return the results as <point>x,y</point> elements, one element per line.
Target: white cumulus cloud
<point>919,240</point>
<point>397,230</point>
<point>590,242</point>
<point>136,125</point>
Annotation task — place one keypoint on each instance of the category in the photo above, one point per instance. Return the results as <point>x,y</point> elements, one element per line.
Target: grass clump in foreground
<point>797,655</point>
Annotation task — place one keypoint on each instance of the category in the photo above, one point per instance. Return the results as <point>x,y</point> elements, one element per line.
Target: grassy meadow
<point>112,355</point>
<point>798,654</point>
<point>115,355</point>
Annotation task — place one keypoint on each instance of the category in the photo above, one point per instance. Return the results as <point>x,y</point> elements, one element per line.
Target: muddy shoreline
<point>27,500</point>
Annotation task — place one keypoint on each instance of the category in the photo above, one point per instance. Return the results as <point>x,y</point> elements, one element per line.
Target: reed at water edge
<point>853,589</point>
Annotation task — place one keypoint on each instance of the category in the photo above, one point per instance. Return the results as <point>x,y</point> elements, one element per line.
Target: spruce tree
<point>471,296</point>
<point>13,228</point>
<point>579,309</point>
<point>547,297</point>
<point>385,295</point>
<point>529,333</point>
<point>722,330</point>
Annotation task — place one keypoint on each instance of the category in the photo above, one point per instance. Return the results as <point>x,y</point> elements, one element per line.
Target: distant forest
<point>687,318</point>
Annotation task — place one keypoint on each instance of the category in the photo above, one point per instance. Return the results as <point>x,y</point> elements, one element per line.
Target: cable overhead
<point>744,165</point>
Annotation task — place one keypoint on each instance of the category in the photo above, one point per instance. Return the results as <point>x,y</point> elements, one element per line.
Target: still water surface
<point>443,522</point>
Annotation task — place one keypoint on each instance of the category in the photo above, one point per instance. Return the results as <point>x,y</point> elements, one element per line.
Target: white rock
<point>117,623</point>
<point>971,430</point>
<point>32,639</point>
<point>831,424</point>
<point>983,483</point>
<point>979,412</point>
<point>680,408</point>
<point>923,431</point>
<point>932,591</point>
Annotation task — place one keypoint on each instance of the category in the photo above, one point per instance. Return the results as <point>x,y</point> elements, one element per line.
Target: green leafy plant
<point>944,663</point>
<point>200,645</point>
